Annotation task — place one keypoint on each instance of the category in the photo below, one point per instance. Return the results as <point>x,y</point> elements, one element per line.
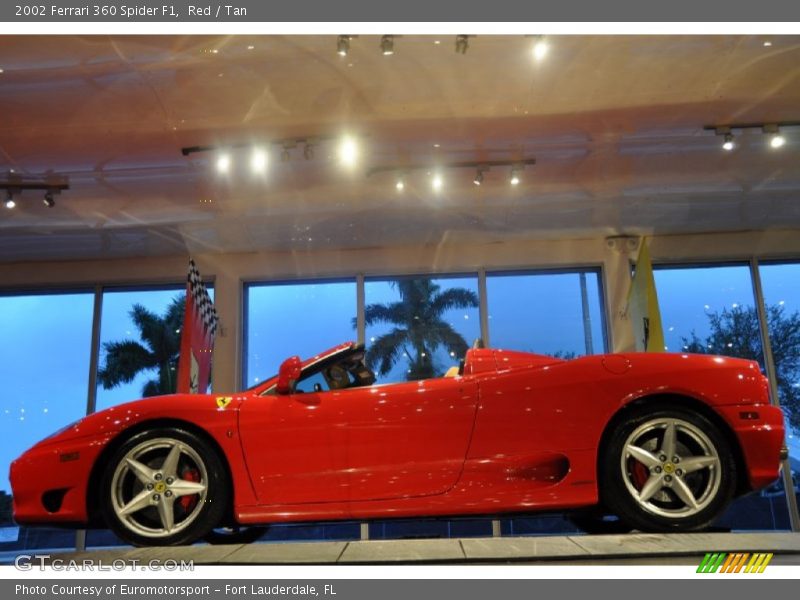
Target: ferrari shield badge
<point>223,401</point>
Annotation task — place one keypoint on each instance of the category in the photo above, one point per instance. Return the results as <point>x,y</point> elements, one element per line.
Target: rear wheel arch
<point>681,401</point>
<point>93,498</point>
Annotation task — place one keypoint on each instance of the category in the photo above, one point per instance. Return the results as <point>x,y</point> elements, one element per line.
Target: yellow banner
<point>643,311</point>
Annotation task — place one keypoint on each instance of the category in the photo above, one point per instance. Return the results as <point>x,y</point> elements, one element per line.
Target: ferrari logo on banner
<point>223,401</point>
<point>642,309</point>
<point>197,336</point>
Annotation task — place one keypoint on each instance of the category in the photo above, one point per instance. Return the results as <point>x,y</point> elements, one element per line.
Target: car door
<point>366,443</point>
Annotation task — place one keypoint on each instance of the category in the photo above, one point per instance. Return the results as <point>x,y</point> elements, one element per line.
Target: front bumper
<point>49,481</point>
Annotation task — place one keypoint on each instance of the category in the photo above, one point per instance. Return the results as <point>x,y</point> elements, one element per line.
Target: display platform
<point>577,549</point>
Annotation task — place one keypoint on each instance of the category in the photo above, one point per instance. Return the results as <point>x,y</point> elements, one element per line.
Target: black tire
<point>234,535</point>
<point>194,512</point>
<point>661,502</point>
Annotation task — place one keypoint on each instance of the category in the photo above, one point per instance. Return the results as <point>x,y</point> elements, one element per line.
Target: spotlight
<point>540,47</point>
<point>308,151</point>
<point>437,182</point>
<point>49,202</point>
<point>348,152</point>
<point>223,163</point>
<point>400,185</point>
<point>462,43</point>
<point>258,161</point>
<point>10,200</point>
<point>728,144</point>
<point>515,175</point>
<point>387,45</point>
<point>343,45</point>
<point>478,177</point>
<point>776,140</point>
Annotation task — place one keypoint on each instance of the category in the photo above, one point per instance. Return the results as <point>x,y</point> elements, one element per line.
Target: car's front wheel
<point>667,468</point>
<point>164,487</point>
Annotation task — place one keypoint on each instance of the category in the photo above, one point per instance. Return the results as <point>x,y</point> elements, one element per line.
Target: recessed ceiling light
<point>400,185</point>
<point>437,42</point>
<point>215,51</point>
<point>223,163</point>
<point>767,44</point>
<point>348,151</point>
<point>343,45</point>
<point>436,145</point>
<point>251,47</point>
<point>387,45</point>
<point>540,48</point>
<point>1,71</point>
<point>258,161</point>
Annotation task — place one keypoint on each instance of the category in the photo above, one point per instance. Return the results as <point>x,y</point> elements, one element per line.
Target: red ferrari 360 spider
<point>664,441</point>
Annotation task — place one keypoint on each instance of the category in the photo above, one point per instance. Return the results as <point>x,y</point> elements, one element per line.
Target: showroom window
<point>139,343</point>
<point>780,284</point>
<point>418,327</point>
<point>138,354</point>
<point>287,319</point>
<point>557,313</point>
<point>45,349</point>
<point>711,310</point>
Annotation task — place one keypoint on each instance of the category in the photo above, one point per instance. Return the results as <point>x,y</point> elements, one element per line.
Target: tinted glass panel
<point>712,310</point>
<point>419,327</point>
<point>45,345</point>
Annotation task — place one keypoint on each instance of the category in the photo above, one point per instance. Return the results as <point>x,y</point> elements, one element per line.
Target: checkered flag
<point>202,301</point>
<point>197,336</point>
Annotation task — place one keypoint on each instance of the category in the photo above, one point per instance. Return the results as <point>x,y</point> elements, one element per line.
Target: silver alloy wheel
<point>146,485</point>
<point>681,464</point>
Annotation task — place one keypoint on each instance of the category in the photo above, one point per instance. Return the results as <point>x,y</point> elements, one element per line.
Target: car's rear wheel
<point>667,468</point>
<point>164,487</point>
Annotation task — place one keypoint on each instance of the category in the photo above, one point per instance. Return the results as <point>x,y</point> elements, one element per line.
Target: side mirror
<point>288,375</point>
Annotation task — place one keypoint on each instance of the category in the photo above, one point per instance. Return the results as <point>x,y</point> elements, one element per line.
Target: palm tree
<point>419,329</point>
<point>159,349</point>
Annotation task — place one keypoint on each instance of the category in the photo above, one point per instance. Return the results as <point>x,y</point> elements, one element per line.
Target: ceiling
<point>615,124</point>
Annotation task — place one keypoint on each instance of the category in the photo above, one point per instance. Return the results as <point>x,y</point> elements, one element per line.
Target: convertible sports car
<point>664,441</point>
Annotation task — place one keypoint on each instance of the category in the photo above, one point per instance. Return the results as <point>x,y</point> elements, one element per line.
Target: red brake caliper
<point>639,473</point>
<point>189,502</point>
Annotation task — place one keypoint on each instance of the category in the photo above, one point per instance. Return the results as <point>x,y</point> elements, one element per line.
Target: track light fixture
<point>343,45</point>
<point>258,161</point>
<point>308,151</point>
<point>15,185</point>
<point>462,44</point>
<point>728,144</point>
<point>286,154</point>
<point>776,140</point>
<point>436,176</point>
<point>387,45</point>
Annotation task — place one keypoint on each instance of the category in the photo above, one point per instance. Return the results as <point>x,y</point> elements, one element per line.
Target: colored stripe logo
<point>736,562</point>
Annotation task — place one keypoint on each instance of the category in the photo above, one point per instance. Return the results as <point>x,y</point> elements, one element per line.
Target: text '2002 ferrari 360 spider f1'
<point>664,441</point>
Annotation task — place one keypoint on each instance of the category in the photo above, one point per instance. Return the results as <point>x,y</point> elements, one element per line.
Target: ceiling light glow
<point>777,140</point>
<point>343,45</point>
<point>437,182</point>
<point>729,144</point>
<point>540,48</point>
<point>258,161</point>
<point>387,45</point>
<point>348,152</point>
<point>223,163</point>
